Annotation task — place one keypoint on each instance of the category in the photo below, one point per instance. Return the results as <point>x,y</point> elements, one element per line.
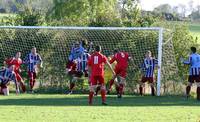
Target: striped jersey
<point>76,52</point>
<point>194,62</point>
<point>149,65</point>
<point>32,61</point>
<point>82,62</point>
<point>6,75</point>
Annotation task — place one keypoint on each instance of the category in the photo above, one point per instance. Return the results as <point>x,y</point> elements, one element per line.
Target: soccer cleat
<point>103,103</point>
<point>70,92</point>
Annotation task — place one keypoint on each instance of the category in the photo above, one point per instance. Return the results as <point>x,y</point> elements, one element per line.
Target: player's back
<point>14,61</point>
<point>122,59</point>
<point>96,62</point>
<point>195,60</point>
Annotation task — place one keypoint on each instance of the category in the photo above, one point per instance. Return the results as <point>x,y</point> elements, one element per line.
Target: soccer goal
<point>54,44</point>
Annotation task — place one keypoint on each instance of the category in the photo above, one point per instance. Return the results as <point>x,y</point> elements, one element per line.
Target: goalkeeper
<point>149,65</point>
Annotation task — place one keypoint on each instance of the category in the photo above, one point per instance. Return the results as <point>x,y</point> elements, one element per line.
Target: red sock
<point>141,90</point>
<point>188,88</point>
<point>103,95</point>
<point>31,84</point>
<point>111,83</point>
<point>91,94</point>
<point>72,86</point>
<point>198,93</point>
<point>152,91</point>
<point>23,86</point>
<point>121,87</point>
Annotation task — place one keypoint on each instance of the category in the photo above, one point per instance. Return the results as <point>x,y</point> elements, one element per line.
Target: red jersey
<point>97,62</point>
<point>121,58</point>
<point>16,62</point>
<point>71,65</point>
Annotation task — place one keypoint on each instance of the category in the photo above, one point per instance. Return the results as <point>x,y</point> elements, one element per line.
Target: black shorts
<point>194,78</point>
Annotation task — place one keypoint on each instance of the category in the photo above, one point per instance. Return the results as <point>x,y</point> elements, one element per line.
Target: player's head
<point>148,54</point>
<point>18,55</point>
<point>98,48</point>
<point>33,50</point>
<point>193,49</point>
<point>76,45</point>
<point>12,67</point>
<point>116,50</point>
<point>84,43</point>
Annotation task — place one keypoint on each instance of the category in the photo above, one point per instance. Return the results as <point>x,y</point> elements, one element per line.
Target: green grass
<point>195,30</point>
<point>75,108</point>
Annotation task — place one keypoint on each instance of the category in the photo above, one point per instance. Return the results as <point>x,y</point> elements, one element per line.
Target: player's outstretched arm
<point>110,67</point>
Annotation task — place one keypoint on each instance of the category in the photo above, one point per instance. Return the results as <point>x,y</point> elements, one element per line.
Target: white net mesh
<point>54,44</point>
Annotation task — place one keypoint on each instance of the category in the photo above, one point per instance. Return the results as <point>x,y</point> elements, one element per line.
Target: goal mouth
<point>54,44</point>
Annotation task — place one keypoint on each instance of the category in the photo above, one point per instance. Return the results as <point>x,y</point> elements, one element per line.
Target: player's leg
<point>141,86</point>
<point>122,82</point>
<point>198,87</point>
<point>30,74</point>
<point>188,87</point>
<point>21,82</point>
<point>152,86</point>
<point>113,80</point>
<point>93,83</point>
<point>34,78</point>
<point>103,89</point>
<point>5,90</point>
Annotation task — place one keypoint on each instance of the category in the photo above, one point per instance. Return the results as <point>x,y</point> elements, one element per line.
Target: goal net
<point>54,44</point>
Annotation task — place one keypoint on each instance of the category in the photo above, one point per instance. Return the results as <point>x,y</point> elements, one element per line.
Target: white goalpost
<point>54,44</point>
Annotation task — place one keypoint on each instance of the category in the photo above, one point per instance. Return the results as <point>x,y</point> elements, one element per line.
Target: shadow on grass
<point>82,100</point>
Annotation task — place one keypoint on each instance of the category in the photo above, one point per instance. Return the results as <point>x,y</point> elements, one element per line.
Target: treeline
<point>78,13</point>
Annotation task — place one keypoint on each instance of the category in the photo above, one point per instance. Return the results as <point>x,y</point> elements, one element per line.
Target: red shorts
<point>147,79</point>
<point>194,78</point>
<point>32,75</point>
<point>121,72</point>
<point>96,80</point>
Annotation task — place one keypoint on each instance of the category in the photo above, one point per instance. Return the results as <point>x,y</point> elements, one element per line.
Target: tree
<point>164,8</point>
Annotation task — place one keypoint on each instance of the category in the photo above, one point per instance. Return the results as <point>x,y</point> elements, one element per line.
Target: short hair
<point>193,49</point>
<point>98,48</point>
<point>84,42</point>
<point>116,50</point>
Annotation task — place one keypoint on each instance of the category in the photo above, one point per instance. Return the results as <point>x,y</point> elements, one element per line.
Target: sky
<point>151,4</point>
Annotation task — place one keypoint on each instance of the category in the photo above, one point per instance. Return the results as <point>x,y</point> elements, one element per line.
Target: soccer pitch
<point>75,108</point>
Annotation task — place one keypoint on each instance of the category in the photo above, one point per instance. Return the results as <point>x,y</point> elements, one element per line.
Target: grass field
<point>195,30</point>
<point>74,108</point>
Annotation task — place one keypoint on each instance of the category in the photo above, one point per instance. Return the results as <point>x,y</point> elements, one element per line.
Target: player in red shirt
<point>96,67</point>
<point>17,61</point>
<point>122,59</point>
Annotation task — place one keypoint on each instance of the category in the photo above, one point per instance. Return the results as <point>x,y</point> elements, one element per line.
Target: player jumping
<point>17,61</point>
<point>194,73</point>
<point>122,59</point>
<point>34,61</point>
<point>149,65</point>
<point>96,67</point>
<point>7,75</point>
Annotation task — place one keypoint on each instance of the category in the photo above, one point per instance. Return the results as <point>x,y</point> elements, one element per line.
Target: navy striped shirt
<point>6,75</point>
<point>32,60</point>
<point>82,62</point>
<point>149,65</point>
<point>194,62</point>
